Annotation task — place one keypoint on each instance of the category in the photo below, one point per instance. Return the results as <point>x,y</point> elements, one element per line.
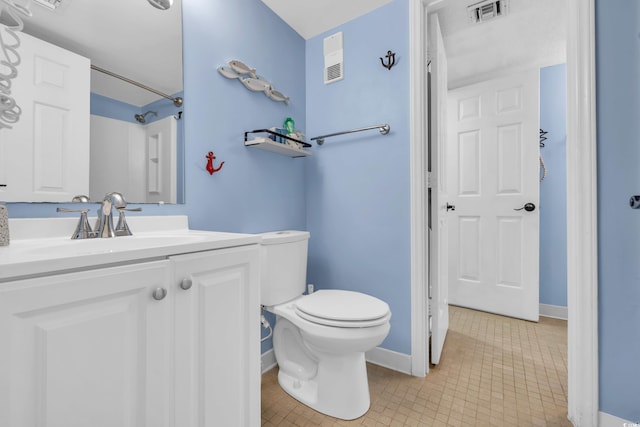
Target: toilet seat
<point>344,309</point>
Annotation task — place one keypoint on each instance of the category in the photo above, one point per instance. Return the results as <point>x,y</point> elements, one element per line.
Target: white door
<point>493,164</point>
<point>45,156</point>
<point>217,338</point>
<point>87,349</point>
<point>438,227</point>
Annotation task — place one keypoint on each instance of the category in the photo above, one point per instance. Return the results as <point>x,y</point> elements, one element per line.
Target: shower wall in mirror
<point>136,143</point>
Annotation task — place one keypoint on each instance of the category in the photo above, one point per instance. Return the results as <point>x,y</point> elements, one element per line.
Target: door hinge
<point>429,181</point>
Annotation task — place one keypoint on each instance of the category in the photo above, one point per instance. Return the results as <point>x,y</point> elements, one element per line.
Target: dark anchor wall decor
<point>391,60</point>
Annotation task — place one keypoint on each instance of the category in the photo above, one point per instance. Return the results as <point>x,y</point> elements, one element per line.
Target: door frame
<point>582,247</point>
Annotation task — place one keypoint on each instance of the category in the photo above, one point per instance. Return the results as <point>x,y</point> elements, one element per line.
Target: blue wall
<point>618,112</point>
<point>108,107</point>
<point>553,190</point>
<point>358,186</point>
<point>255,191</point>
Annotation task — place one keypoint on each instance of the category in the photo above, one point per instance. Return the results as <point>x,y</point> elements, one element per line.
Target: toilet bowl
<point>319,339</point>
<point>321,355</point>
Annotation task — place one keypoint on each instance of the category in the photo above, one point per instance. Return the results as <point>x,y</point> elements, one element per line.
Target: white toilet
<point>319,339</point>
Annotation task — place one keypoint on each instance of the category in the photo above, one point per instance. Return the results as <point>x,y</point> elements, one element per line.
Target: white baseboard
<point>268,361</point>
<point>608,420</point>
<point>390,359</point>
<point>555,311</point>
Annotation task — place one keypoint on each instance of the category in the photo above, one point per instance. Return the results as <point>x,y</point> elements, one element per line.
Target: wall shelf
<point>268,144</point>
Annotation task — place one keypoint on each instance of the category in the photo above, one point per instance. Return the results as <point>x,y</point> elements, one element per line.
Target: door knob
<point>529,207</point>
<point>450,207</point>
<point>159,294</point>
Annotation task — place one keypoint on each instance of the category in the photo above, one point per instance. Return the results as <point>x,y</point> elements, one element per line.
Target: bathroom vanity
<point>158,329</point>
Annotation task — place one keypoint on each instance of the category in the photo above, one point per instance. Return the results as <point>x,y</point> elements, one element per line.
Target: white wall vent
<point>487,10</point>
<point>333,58</point>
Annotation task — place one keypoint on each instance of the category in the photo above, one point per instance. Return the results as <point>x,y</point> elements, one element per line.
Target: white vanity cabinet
<point>217,338</point>
<point>91,348</point>
<point>166,343</point>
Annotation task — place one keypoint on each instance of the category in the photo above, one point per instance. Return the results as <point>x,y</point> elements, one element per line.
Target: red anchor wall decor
<point>210,158</point>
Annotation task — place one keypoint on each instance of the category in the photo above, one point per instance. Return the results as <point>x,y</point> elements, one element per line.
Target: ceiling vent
<point>333,58</point>
<point>487,10</point>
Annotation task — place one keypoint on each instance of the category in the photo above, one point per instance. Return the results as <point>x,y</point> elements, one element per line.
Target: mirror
<point>140,42</point>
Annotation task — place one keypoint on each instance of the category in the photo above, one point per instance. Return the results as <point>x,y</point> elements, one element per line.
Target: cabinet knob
<point>186,284</point>
<point>159,294</point>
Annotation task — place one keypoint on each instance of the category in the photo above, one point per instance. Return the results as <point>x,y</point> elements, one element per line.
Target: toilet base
<point>340,389</point>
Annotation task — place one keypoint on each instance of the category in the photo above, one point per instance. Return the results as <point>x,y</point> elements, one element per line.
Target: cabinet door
<point>217,338</point>
<point>92,348</point>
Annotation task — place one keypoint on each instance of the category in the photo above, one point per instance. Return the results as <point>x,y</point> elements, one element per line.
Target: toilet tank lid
<point>285,236</point>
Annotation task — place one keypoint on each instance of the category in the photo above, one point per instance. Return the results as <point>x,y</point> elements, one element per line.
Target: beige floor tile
<point>495,371</point>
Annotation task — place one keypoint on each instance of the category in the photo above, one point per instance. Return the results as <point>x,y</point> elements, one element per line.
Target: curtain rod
<point>384,129</point>
<point>176,101</point>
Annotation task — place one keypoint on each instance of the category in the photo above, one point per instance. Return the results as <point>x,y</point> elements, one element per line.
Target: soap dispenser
<point>4,226</point>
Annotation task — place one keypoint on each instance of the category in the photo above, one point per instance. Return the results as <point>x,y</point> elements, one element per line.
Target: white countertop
<point>41,246</point>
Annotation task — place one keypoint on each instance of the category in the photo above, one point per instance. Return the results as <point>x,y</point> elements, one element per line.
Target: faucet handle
<point>122,228</point>
<point>80,198</point>
<point>83,229</point>
<point>65,210</point>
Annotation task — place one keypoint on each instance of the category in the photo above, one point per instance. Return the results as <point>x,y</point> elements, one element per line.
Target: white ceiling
<point>312,17</point>
<point>127,37</point>
<point>533,33</point>
<point>138,41</point>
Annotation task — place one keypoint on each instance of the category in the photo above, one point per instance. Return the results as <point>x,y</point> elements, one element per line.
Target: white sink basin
<point>68,247</point>
<point>29,255</point>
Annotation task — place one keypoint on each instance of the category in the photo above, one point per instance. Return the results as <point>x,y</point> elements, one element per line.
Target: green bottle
<point>289,125</point>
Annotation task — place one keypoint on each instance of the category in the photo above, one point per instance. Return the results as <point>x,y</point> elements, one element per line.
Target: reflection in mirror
<point>136,135</point>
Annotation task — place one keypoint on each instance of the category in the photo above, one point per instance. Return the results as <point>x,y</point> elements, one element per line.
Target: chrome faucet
<point>104,227</point>
<point>83,229</point>
<point>104,224</point>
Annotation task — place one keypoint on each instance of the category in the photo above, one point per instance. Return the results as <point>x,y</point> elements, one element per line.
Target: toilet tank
<point>283,266</point>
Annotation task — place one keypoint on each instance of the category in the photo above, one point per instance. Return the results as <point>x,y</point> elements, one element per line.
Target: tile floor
<point>495,371</point>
